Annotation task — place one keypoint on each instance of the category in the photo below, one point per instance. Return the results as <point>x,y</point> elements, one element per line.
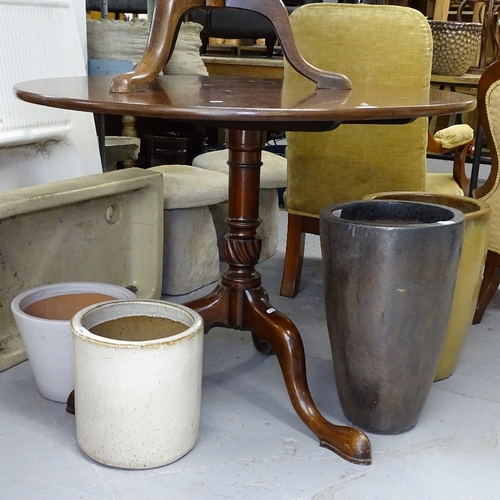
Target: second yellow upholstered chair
<point>379,45</point>
<point>488,103</point>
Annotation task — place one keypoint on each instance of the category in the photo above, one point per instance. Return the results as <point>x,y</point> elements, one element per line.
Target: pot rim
<point>482,208</point>
<point>333,212</point>
<point>454,23</point>
<point>121,308</point>
<point>29,297</point>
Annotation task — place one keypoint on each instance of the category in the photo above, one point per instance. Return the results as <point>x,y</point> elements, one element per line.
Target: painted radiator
<point>40,39</point>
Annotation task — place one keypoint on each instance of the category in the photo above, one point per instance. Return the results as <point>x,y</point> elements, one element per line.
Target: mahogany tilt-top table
<point>248,107</point>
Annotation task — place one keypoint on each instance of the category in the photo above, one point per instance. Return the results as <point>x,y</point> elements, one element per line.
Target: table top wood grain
<point>243,102</point>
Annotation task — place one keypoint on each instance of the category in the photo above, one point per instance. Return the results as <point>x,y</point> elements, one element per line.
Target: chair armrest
<point>454,136</point>
<point>458,138</point>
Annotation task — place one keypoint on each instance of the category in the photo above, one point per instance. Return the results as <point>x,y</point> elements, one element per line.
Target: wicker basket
<point>456,46</point>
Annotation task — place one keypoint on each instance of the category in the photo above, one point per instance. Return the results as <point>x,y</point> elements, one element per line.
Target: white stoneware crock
<point>137,402</point>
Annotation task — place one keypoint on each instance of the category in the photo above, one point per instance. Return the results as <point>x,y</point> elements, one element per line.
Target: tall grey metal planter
<point>389,274</point>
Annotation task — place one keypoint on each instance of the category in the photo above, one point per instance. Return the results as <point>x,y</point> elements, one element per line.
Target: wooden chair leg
<point>298,227</point>
<point>294,257</point>
<point>270,43</point>
<point>489,285</point>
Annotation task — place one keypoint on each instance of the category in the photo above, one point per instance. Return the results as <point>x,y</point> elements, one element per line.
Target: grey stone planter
<point>389,270</point>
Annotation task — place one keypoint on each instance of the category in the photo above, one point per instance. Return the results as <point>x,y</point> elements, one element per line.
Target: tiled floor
<point>252,445</point>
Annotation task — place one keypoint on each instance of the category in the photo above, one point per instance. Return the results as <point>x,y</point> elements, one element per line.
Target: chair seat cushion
<point>442,184</point>
<point>272,173</point>
<point>187,187</point>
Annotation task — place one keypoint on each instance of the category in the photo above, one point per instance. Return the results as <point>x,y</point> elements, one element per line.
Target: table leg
<point>241,302</point>
<point>165,26</point>
<point>160,45</point>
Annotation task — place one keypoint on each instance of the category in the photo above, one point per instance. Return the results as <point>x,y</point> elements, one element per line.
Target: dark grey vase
<point>389,274</point>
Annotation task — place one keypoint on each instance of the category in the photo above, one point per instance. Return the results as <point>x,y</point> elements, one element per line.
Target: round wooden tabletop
<point>245,103</point>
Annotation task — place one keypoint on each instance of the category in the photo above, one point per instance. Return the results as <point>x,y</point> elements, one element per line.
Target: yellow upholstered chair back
<point>381,45</point>
<point>489,109</point>
<point>488,104</point>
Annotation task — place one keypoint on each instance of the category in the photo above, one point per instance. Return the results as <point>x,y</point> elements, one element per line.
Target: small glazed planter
<point>470,269</point>
<point>455,46</point>
<point>389,273</point>
<point>138,375</point>
<point>42,316</point>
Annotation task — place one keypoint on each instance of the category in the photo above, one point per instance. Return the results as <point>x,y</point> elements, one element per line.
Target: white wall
<point>41,39</point>
<point>81,20</point>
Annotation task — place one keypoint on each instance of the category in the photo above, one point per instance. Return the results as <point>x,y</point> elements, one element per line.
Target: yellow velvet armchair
<point>381,45</point>
<point>488,103</point>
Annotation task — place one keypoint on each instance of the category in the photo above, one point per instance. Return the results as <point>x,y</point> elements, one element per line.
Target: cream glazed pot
<point>138,394</point>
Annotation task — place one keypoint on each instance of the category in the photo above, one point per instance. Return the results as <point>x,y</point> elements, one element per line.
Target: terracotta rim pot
<point>42,316</point>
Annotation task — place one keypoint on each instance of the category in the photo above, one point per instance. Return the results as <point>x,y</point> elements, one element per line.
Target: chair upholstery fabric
<point>381,45</point>
<point>455,135</point>
<point>488,105</point>
<point>492,198</point>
